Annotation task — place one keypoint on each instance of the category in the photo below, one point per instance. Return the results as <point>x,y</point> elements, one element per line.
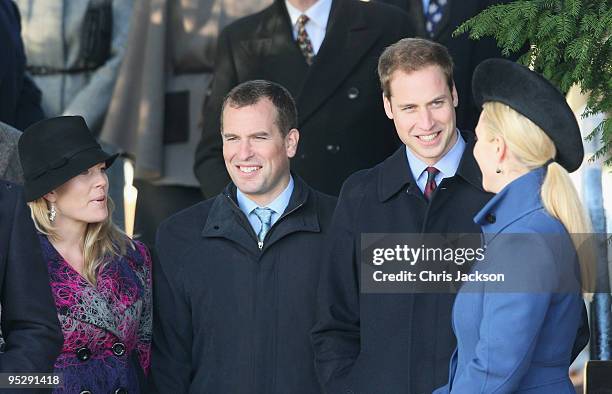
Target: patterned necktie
<point>430,186</point>
<point>265,217</point>
<point>303,40</point>
<point>433,16</point>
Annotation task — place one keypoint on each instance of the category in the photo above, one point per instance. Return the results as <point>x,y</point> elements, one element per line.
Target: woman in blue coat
<point>517,335</point>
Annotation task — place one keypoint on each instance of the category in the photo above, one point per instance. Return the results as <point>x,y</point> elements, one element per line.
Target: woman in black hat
<point>100,279</point>
<point>520,331</point>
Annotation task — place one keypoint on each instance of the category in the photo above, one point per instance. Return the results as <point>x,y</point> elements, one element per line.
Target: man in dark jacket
<point>30,326</point>
<point>235,282</point>
<point>399,343</point>
<point>328,63</point>
<point>19,96</point>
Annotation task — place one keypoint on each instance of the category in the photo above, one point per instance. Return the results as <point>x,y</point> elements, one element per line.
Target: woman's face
<point>83,199</point>
<point>486,153</point>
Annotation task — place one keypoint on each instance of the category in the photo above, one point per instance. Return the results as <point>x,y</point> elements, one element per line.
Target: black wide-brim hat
<point>55,150</point>
<point>534,97</point>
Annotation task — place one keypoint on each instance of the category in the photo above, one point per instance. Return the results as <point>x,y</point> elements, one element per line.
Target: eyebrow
<point>255,134</point>
<point>438,98</point>
<point>441,97</point>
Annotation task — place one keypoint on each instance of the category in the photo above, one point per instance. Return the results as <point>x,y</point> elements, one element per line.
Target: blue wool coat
<point>519,335</point>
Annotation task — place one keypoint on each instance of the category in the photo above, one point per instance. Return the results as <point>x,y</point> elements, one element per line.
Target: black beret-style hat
<point>534,97</point>
<point>55,150</point>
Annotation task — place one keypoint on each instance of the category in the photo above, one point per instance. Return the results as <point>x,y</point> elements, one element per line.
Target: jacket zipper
<point>284,215</point>
<point>260,244</point>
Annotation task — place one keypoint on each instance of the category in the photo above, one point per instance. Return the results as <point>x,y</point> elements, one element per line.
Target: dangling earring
<point>52,213</point>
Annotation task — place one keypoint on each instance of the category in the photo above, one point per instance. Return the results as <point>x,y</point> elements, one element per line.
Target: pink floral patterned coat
<point>107,328</point>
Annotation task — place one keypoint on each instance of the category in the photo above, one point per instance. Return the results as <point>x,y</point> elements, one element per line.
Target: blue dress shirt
<point>278,206</point>
<point>447,165</point>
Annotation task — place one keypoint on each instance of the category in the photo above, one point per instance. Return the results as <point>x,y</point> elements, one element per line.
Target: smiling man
<point>399,343</point>
<point>235,281</point>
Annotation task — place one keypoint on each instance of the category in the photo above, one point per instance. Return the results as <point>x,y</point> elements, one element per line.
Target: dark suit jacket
<point>19,96</point>
<point>29,319</point>
<point>341,117</point>
<point>466,53</point>
<point>396,343</point>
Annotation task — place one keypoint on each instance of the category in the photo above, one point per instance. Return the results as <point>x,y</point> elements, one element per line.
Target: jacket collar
<point>226,220</point>
<point>519,198</point>
<point>395,174</point>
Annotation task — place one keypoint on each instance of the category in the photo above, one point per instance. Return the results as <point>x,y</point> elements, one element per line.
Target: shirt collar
<point>447,165</point>
<point>278,205</point>
<point>318,13</point>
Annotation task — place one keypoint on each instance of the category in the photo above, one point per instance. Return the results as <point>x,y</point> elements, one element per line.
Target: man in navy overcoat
<point>30,327</point>
<point>399,343</point>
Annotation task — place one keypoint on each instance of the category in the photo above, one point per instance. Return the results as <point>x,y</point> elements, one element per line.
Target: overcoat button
<point>121,390</point>
<point>333,148</point>
<point>352,93</point>
<point>490,218</point>
<point>83,353</point>
<point>118,349</point>
<point>85,392</point>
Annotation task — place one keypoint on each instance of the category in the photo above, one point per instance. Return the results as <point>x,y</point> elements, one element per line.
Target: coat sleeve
<point>209,167</point>
<point>172,335</point>
<point>93,99</point>
<point>29,320</point>
<point>511,321</point>
<point>336,335</point>
<point>145,326</point>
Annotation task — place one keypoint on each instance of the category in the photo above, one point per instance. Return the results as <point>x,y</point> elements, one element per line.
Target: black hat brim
<point>73,166</point>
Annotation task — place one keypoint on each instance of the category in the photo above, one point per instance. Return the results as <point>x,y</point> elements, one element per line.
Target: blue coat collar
<point>519,198</point>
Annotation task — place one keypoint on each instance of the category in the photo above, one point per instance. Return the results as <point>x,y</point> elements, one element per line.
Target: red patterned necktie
<point>430,186</point>
<point>303,40</point>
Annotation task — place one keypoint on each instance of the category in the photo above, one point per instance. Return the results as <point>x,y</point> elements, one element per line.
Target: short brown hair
<point>250,92</point>
<point>413,54</point>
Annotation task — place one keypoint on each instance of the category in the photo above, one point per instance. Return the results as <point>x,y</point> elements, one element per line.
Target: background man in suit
<point>235,285</point>
<point>325,53</point>
<point>436,20</point>
<point>19,96</point>
<point>399,343</point>
<point>29,319</point>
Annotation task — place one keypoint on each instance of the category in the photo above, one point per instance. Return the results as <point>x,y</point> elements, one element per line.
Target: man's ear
<point>387,105</point>
<point>455,96</point>
<point>291,142</point>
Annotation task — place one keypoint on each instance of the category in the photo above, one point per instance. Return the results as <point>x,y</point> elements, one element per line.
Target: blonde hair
<point>102,240</point>
<point>533,148</point>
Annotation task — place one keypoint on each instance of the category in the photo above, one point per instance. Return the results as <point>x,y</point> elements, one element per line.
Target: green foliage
<point>569,43</point>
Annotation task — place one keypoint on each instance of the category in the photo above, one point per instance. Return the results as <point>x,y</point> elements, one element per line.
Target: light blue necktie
<point>265,217</point>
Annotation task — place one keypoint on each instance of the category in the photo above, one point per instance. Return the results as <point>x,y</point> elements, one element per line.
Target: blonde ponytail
<point>533,148</point>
